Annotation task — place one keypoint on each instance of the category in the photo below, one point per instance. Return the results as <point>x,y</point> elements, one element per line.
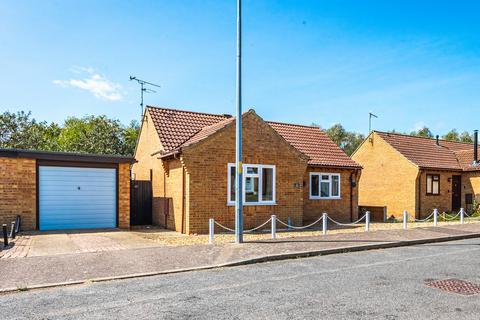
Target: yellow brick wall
<point>388,179</point>
<point>207,163</point>
<point>148,143</point>
<point>18,191</point>
<point>338,209</point>
<point>174,193</point>
<point>124,195</point>
<point>471,184</point>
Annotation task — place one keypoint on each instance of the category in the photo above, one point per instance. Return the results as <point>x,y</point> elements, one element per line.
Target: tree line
<point>90,134</point>
<point>102,135</point>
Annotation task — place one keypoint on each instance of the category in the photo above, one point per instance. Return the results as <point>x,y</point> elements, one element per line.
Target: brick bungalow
<point>417,174</point>
<point>292,171</point>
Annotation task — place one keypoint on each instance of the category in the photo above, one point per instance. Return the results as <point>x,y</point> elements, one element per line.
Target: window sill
<point>432,195</point>
<point>246,204</point>
<point>323,198</point>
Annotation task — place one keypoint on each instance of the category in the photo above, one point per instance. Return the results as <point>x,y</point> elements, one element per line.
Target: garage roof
<point>65,156</point>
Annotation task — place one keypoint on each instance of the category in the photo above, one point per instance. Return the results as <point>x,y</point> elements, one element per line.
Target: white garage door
<point>77,198</point>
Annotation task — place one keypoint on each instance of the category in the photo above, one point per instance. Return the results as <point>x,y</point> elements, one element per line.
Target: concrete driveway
<point>31,244</point>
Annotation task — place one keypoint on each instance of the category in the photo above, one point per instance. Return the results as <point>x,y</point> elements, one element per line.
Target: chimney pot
<point>437,138</point>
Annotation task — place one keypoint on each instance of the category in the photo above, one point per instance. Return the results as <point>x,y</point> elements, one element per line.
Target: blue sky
<point>413,63</point>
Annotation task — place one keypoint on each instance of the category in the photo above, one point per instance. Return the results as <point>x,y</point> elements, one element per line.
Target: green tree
<point>92,134</point>
<point>20,131</point>
<point>348,141</point>
<point>423,132</point>
<point>130,137</point>
<point>452,135</point>
<point>466,137</point>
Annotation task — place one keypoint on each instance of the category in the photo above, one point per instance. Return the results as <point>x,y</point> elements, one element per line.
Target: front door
<point>456,192</point>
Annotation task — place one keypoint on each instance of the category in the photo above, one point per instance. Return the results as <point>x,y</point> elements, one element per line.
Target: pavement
<point>378,284</point>
<point>66,269</point>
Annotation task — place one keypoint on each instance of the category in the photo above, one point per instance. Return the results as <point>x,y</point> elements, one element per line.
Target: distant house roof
<point>427,154</point>
<point>178,128</point>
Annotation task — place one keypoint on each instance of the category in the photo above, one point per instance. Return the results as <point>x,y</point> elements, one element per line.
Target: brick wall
<point>18,191</point>
<point>207,162</point>
<point>168,197</point>
<point>470,184</point>
<point>388,179</point>
<point>124,195</point>
<point>338,209</point>
<point>443,201</point>
<point>148,143</point>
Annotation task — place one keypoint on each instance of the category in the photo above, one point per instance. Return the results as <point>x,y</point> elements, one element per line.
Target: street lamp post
<point>238,153</point>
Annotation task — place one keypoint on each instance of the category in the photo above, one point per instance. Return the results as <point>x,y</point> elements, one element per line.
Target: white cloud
<point>95,83</point>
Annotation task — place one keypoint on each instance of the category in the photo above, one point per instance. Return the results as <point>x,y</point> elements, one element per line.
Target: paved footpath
<point>32,272</point>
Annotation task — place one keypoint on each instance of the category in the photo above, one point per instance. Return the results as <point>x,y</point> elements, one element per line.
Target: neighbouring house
<point>293,171</point>
<point>56,190</point>
<point>417,174</point>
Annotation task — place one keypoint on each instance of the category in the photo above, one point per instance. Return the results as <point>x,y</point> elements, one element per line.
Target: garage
<point>77,198</point>
<point>63,191</point>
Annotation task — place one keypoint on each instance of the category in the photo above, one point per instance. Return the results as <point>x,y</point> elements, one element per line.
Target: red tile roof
<point>465,158</point>
<point>177,128</point>
<point>425,153</point>
<point>207,131</point>
<point>315,143</point>
<point>174,127</point>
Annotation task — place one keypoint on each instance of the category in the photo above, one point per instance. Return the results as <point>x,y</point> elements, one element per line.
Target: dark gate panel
<point>141,202</point>
<point>456,192</point>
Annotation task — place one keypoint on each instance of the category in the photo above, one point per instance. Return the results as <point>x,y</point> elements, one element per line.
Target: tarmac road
<point>379,284</point>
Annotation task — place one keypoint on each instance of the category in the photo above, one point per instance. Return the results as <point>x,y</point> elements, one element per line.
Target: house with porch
<point>417,174</point>
<point>293,171</point>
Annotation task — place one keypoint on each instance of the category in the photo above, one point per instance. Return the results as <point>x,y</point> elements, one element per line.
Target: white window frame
<point>260,168</point>
<point>330,175</point>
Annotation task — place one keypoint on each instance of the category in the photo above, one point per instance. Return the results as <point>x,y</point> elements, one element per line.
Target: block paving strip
<point>17,248</point>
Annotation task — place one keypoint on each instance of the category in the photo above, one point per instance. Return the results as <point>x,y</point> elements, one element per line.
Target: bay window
<point>324,185</point>
<point>258,184</point>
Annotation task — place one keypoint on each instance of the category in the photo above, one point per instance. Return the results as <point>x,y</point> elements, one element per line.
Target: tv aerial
<point>144,89</point>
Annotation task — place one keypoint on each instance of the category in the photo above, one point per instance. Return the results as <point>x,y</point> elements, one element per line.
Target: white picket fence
<point>325,218</point>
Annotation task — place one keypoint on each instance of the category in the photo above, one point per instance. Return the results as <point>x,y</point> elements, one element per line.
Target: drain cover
<point>455,286</point>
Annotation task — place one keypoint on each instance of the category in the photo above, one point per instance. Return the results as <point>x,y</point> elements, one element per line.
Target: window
<point>324,185</point>
<point>433,184</point>
<point>258,184</point>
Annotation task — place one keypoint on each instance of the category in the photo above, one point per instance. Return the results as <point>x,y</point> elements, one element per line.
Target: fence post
<point>5,235</point>
<point>462,216</point>
<point>435,217</point>
<point>405,219</point>
<point>367,221</point>
<point>211,230</point>
<point>289,222</point>
<point>274,226</point>
<point>324,223</point>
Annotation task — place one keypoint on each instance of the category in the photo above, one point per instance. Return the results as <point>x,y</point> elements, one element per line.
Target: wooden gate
<point>141,202</point>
